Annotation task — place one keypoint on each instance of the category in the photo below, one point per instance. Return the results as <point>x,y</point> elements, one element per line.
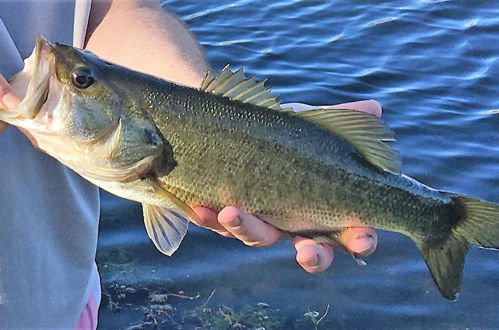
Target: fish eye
<point>82,79</point>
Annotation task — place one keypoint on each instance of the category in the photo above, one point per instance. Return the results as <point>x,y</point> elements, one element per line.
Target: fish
<point>230,142</point>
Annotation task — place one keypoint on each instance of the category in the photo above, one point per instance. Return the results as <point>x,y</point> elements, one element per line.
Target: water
<point>433,66</point>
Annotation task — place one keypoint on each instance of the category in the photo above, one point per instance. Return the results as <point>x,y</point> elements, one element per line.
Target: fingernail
<point>315,261</point>
<point>236,221</point>
<point>10,100</point>
<point>363,243</point>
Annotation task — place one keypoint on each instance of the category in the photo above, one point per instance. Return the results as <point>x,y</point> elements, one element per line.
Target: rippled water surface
<point>433,66</point>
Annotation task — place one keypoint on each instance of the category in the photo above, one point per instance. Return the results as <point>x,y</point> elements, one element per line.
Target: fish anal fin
<point>333,238</point>
<point>165,227</point>
<point>366,133</point>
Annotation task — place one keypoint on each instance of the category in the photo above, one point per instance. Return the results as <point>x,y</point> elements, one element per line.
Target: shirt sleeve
<point>12,61</point>
<point>82,13</point>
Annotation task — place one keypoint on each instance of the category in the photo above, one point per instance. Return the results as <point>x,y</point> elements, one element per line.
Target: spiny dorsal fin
<point>365,132</point>
<point>238,87</point>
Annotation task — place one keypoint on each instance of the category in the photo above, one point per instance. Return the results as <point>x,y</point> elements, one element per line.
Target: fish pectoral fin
<point>177,203</point>
<point>120,174</point>
<point>366,133</point>
<point>165,227</point>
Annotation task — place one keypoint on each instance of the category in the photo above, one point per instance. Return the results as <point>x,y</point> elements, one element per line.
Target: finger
<point>370,106</point>
<point>248,228</point>
<point>208,219</point>
<point>2,126</point>
<point>361,240</point>
<point>8,97</point>
<point>312,256</point>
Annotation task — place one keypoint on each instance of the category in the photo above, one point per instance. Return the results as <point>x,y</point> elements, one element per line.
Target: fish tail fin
<point>478,225</point>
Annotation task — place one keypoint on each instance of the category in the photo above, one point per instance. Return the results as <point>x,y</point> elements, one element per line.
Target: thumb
<point>8,97</point>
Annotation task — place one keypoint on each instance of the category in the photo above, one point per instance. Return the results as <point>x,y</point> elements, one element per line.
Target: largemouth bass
<point>172,148</point>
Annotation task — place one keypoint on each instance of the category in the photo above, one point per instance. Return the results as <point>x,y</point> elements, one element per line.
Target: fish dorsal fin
<point>167,226</point>
<point>238,87</point>
<point>365,132</point>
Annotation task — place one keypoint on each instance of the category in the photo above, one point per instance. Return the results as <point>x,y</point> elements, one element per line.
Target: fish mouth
<point>32,84</point>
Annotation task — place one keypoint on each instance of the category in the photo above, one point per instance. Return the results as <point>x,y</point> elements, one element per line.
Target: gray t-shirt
<point>48,214</point>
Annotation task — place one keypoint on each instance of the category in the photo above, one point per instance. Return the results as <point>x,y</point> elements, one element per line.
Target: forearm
<point>140,35</point>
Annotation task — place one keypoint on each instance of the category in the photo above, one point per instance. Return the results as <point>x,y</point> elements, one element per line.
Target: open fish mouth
<point>32,84</point>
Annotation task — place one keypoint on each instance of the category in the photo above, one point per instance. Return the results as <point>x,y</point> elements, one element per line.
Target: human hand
<point>312,256</point>
<point>8,99</point>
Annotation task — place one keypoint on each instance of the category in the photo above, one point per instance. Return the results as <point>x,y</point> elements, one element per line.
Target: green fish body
<point>172,148</point>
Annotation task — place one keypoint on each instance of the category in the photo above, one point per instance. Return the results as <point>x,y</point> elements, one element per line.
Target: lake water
<point>433,65</point>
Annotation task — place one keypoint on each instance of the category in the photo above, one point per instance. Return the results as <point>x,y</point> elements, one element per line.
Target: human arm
<point>140,35</point>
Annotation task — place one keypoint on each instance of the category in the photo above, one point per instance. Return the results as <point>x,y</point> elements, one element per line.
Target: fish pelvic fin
<point>165,227</point>
<point>478,225</point>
